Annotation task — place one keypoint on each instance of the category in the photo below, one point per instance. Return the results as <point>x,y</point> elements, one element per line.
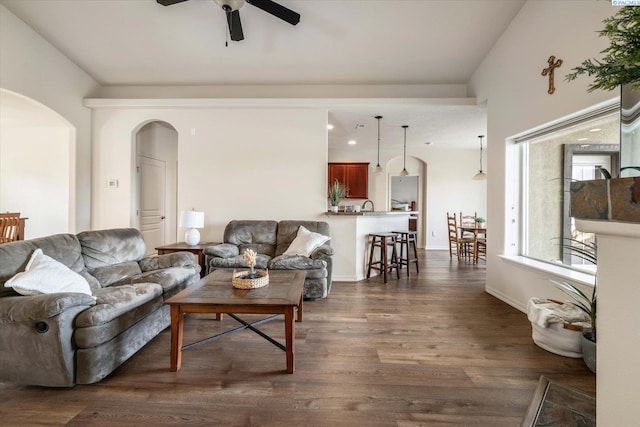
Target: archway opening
<point>156,189</point>
<point>402,190</point>
<point>37,165</point>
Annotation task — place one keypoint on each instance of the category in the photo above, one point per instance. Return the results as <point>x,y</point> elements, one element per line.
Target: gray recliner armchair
<point>270,240</point>
<point>60,338</point>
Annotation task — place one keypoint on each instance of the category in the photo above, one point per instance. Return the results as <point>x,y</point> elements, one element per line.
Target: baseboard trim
<point>504,298</point>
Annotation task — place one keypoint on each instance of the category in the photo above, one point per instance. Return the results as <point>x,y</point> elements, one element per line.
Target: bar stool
<point>384,265</point>
<point>403,239</point>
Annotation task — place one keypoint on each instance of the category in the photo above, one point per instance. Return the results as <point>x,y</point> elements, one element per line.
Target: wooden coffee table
<point>215,294</point>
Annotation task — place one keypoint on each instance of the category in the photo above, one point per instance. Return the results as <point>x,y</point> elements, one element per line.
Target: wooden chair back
<point>467,221</point>
<point>461,246</point>
<point>11,227</point>
<point>452,226</point>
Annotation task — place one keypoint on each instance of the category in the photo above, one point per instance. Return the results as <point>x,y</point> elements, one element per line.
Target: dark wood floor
<point>433,350</point>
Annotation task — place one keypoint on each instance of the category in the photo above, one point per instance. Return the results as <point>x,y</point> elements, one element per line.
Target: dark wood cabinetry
<point>354,176</point>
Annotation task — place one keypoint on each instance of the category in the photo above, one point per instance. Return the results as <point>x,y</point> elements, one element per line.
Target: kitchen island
<point>350,239</point>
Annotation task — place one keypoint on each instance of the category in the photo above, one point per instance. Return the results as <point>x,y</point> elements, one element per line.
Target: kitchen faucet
<point>368,201</point>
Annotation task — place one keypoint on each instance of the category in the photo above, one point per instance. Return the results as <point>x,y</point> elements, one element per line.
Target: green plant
<point>621,63</point>
<point>587,252</point>
<point>336,192</point>
<point>480,220</point>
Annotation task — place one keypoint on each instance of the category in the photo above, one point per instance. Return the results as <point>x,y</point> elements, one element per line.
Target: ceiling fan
<point>231,9</point>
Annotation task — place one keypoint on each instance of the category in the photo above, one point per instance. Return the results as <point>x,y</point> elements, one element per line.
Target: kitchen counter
<point>372,213</point>
<point>350,238</point>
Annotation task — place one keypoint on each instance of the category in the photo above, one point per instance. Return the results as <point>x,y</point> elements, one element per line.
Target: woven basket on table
<point>240,283</point>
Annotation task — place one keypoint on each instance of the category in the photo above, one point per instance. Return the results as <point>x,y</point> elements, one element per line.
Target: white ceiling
<point>337,42</point>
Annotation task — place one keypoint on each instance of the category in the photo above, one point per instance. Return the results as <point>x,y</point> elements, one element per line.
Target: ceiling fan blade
<point>277,10</point>
<point>235,26</point>
<point>169,2</point>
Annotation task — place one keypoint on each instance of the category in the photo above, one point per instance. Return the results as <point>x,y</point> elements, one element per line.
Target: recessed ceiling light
<point>595,130</point>
<point>582,139</point>
<point>428,143</point>
<point>352,142</point>
<point>329,126</point>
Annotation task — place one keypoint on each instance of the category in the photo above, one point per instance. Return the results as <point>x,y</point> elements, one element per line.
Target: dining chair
<point>467,221</point>
<point>461,246</point>
<point>10,227</point>
<point>480,249</point>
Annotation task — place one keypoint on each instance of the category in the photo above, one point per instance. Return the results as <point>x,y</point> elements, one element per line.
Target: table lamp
<point>192,220</point>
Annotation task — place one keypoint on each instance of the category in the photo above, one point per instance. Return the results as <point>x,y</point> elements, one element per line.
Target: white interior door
<point>152,179</point>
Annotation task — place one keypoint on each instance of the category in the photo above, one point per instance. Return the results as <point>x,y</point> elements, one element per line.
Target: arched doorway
<point>37,165</point>
<point>156,183</point>
<point>405,189</point>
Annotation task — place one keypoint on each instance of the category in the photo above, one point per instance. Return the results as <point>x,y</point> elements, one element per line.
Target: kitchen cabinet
<point>354,176</point>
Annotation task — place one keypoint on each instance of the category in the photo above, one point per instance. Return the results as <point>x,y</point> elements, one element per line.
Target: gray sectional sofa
<point>66,338</point>
<point>271,239</point>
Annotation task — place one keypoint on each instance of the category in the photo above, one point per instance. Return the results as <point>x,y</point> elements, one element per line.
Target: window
<point>581,148</point>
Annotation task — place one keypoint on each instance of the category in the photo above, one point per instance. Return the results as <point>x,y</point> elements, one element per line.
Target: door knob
<point>162,217</point>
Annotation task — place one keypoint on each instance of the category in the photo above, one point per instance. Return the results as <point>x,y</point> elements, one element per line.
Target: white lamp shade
<point>480,176</point>
<point>191,219</point>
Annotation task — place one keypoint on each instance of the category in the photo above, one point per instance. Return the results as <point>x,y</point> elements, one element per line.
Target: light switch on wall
<point>113,183</point>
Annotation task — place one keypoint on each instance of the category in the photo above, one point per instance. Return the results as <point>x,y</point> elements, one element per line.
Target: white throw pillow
<point>305,242</point>
<point>45,275</point>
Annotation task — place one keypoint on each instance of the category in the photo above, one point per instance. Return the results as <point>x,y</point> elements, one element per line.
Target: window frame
<point>521,141</point>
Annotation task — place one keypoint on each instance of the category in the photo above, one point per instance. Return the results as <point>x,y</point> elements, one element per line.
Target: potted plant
<point>337,191</point>
<point>621,63</point>
<point>480,221</point>
<point>588,252</point>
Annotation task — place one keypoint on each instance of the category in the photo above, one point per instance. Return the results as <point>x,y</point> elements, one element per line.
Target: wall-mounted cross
<point>553,64</point>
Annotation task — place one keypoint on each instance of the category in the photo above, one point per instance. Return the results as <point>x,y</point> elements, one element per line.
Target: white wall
<point>618,370</point>
<point>233,163</point>
<point>31,66</point>
<point>517,100</point>
<point>34,177</point>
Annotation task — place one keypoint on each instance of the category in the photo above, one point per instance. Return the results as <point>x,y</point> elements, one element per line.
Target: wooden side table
<point>198,250</point>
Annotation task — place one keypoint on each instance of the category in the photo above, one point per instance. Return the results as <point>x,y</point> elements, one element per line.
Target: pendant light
<point>378,169</point>
<point>404,171</point>
<point>480,175</point>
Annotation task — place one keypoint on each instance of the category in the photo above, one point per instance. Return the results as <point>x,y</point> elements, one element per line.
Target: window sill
<point>555,270</point>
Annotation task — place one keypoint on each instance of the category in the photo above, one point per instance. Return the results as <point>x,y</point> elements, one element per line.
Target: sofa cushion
<point>288,231</point>
<point>305,242</point>
<point>116,274</point>
<point>168,278</point>
<point>115,301</point>
<point>45,275</point>
<point>262,261</point>
<point>175,259</point>
<point>223,250</point>
<point>93,336</point>
<point>259,248</point>
<point>297,262</point>
<point>108,247</point>
<point>247,234</point>
<point>14,256</point>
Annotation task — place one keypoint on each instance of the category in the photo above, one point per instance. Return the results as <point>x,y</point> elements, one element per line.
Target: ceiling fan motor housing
<point>230,5</point>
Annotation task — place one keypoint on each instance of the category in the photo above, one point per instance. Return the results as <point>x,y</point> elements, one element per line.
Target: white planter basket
<point>558,340</point>
<point>556,327</point>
